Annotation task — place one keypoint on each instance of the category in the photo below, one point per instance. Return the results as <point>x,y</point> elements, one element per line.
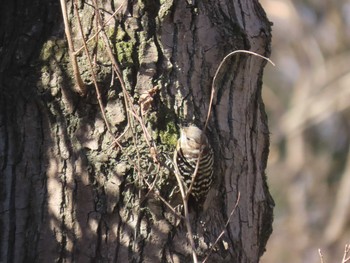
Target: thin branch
<point>151,189</point>
<point>127,99</point>
<point>144,129</point>
<point>320,254</point>
<point>99,30</point>
<point>217,72</point>
<point>346,252</point>
<point>187,218</point>
<point>164,201</point>
<point>223,231</point>
<point>93,74</point>
<point>189,190</point>
<point>81,88</point>
<point>340,213</point>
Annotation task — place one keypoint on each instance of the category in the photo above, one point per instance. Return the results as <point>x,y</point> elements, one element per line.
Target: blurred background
<point>307,98</point>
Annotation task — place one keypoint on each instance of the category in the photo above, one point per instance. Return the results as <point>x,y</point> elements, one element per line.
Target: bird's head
<point>193,139</point>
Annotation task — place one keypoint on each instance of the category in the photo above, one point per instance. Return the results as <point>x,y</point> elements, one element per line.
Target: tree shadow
<point>49,195</point>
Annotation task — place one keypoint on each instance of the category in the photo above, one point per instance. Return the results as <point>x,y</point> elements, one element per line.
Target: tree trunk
<point>74,189</point>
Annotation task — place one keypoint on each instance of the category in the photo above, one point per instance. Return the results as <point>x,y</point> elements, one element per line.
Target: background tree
<point>307,100</point>
<point>83,149</point>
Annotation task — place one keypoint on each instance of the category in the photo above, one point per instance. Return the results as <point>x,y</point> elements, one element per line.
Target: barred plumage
<point>192,144</point>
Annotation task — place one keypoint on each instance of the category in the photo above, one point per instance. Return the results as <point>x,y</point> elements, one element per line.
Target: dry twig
<point>93,74</point>
<point>81,88</point>
<point>320,254</point>
<point>99,29</point>
<point>187,218</point>
<point>223,231</point>
<point>217,72</point>
<point>346,257</point>
<point>127,99</point>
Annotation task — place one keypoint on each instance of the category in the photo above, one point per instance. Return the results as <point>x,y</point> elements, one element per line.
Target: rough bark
<point>69,194</point>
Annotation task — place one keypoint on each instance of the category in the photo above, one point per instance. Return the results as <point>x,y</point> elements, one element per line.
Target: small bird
<point>192,145</point>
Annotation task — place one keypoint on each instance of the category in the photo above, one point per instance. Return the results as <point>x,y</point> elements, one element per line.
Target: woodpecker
<point>192,145</point>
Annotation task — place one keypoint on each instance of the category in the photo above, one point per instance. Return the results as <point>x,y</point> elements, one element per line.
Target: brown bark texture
<point>71,192</point>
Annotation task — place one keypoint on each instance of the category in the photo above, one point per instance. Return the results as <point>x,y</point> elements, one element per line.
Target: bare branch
<point>217,72</point>
<point>320,254</point>
<point>346,258</point>
<point>81,88</point>
<point>99,29</point>
<point>164,201</point>
<point>93,74</point>
<point>223,231</point>
<point>189,190</point>
<point>127,99</point>
<point>187,217</point>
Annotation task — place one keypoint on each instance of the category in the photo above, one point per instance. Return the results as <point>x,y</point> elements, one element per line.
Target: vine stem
<point>187,217</point>
<point>81,88</point>
<point>217,72</point>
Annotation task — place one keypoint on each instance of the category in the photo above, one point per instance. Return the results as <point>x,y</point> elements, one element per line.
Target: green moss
<point>120,35</point>
<point>60,48</point>
<point>125,52</point>
<point>47,50</point>
<point>169,135</point>
<point>53,49</point>
<point>124,45</point>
